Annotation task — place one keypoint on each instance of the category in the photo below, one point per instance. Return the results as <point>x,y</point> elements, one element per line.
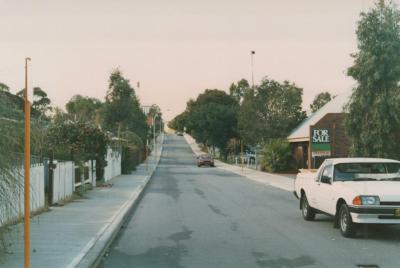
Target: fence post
<point>51,180</point>
<point>92,172</point>
<point>82,174</point>
<point>73,176</point>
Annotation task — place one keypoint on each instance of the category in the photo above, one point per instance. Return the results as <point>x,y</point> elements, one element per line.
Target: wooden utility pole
<point>27,165</point>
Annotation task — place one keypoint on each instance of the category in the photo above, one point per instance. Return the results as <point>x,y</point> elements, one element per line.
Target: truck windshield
<point>359,171</point>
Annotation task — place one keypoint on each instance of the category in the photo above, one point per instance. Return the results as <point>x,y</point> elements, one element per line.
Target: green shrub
<point>132,151</point>
<point>78,141</point>
<point>277,156</point>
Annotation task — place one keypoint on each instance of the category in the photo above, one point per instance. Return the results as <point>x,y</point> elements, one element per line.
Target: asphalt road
<point>207,217</point>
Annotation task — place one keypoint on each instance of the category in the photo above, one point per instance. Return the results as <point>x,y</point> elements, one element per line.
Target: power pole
<point>27,166</point>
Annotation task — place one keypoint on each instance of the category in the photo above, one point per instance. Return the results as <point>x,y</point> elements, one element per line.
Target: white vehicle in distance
<point>352,190</point>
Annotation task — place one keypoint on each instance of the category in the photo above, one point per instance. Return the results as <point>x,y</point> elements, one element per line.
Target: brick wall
<point>339,141</point>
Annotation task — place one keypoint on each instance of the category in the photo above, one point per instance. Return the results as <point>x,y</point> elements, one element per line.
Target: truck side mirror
<point>326,179</point>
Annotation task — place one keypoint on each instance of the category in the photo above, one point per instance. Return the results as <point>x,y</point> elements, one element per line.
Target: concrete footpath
<point>274,180</point>
<point>77,234</point>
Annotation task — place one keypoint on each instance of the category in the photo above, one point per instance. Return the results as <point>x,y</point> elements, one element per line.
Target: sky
<point>177,48</point>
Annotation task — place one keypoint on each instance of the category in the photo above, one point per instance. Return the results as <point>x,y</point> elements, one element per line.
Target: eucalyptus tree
<point>84,108</point>
<point>373,121</point>
<point>122,110</point>
<point>212,118</point>
<point>320,100</point>
<point>41,101</point>
<point>239,89</point>
<point>269,111</point>
<point>4,87</point>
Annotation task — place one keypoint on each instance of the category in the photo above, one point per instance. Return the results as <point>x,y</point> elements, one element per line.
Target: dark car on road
<point>205,159</point>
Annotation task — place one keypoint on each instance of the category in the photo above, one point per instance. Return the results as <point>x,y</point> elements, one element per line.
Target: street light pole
<point>27,165</point>
<point>252,68</point>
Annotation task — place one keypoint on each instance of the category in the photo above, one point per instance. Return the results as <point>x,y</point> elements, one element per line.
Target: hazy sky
<point>176,48</point>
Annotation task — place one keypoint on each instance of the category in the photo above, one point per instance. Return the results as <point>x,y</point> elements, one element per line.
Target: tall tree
<point>122,109</point>
<point>11,106</point>
<point>4,87</point>
<point>239,89</point>
<point>84,108</point>
<point>320,100</point>
<point>41,102</point>
<point>212,118</point>
<point>373,122</point>
<point>249,119</point>
<point>179,122</point>
<point>156,115</point>
<point>270,111</point>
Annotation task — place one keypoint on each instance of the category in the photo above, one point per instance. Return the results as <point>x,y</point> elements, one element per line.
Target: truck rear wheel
<point>307,211</point>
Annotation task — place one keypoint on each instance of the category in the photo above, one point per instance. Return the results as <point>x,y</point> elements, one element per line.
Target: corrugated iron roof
<point>302,132</point>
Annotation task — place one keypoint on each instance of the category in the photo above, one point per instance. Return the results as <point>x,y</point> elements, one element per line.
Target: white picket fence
<point>15,208</point>
<point>63,181</point>
<point>64,185</point>
<point>113,167</point>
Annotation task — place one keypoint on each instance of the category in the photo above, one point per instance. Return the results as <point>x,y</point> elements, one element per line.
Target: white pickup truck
<point>353,190</point>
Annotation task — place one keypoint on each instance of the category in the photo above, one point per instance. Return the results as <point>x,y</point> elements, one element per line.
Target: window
<point>350,171</point>
<point>327,174</point>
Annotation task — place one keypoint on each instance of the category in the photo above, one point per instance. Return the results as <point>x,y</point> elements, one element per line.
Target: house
<point>322,134</point>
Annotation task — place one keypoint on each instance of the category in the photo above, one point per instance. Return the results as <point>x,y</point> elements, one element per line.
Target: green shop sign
<point>320,142</point>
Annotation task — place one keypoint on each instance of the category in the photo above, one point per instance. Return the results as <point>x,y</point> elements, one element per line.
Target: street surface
<point>209,217</point>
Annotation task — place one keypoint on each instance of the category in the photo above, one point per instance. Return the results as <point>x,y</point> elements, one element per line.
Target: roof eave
<point>298,139</point>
